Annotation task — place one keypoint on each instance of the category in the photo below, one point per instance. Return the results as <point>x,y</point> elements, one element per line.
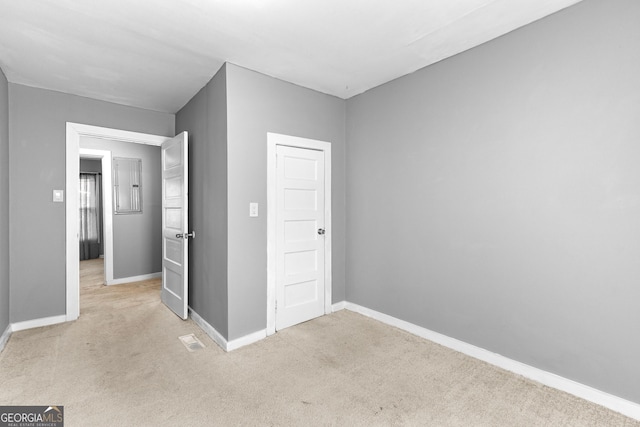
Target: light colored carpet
<point>122,364</point>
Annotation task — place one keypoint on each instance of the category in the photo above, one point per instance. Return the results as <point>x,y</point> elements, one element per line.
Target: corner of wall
<point>5,253</point>
<point>205,118</point>
<point>4,338</point>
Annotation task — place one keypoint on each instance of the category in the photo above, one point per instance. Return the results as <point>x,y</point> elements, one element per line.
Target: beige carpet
<point>122,364</point>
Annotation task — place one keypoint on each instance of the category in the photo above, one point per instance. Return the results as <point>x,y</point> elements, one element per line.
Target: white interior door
<point>175,255</point>
<point>300,223</point>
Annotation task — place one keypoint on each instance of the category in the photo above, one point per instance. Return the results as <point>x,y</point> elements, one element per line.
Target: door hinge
<point>276,160</point>
<point>276,305</point>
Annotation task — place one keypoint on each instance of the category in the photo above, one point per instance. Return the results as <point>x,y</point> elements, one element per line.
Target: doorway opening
<point>106,214</point>
<point>75,132</point>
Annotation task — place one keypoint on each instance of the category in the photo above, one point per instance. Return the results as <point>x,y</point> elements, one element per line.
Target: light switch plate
<point>58,196</point>
<point>253,209</point>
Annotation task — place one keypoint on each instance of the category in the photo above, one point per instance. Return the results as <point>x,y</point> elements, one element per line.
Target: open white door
<point>175,234</point>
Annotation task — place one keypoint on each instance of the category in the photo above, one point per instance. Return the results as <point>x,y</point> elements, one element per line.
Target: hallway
<point>94,295</point>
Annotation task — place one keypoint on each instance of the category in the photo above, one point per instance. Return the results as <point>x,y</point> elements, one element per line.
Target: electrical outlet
<point>253,209</point>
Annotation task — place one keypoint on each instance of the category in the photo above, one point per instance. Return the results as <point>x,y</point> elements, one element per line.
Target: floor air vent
<point>191,342</point>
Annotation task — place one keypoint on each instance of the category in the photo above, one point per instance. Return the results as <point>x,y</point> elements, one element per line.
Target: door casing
<point>273,140</point>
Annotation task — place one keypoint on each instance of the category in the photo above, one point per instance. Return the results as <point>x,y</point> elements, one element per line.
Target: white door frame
<point>75,131</point>
<point>273,140</point>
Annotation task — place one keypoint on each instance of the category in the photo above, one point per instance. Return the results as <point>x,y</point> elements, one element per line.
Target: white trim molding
<point>246,340</point>
<point>135,278</point>
<point>208,329</point>
<point>273,140</point>
<point>117,134</point>
<point>4,338</point>
<point>75,131</point>
<point>615,403</point>
<point>339,306</point>
<point>38,323</point>
<point>220,340</point>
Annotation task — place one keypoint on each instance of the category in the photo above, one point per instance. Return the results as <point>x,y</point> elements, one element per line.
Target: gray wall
<point>4,202</point>
<point>92,165</point>
<point>137,238</point>
<point>228,121</point>
<point>37,156</point>
<point>258,104</point>
<point>205,118</point>
<point>494,197</point>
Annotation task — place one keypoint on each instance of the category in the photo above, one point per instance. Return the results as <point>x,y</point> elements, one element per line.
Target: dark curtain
<point>90,232</point>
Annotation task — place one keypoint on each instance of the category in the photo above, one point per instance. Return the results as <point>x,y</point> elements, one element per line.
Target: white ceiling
<point>157,54</point>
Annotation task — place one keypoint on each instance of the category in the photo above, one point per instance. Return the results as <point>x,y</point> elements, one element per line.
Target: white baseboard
<point>134,279</point>
<point>220,340</point>
<point>5,337</point>
<point>208,329</point>
<point>246,340</point>
<point>37,323</point>
<point>338,306</point>
<point>615,403</point>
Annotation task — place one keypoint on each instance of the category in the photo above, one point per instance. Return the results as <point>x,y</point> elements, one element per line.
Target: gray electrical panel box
<point>127,185</point>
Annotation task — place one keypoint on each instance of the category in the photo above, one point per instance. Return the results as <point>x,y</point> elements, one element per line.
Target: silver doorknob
<point>321,231</point>
<point>186,235</point>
